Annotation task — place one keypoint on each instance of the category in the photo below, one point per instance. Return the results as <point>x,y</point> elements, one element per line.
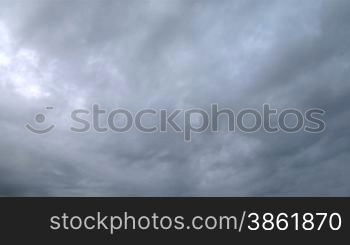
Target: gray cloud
<point>173,54</point>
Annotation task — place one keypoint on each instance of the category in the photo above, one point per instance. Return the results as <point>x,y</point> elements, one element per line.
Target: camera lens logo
<point>40,119</point>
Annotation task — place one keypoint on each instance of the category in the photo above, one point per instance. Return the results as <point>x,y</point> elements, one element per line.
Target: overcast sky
<point>169,54</point>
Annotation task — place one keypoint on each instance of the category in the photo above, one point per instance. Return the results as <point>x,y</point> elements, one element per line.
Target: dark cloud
<point>166,55</point>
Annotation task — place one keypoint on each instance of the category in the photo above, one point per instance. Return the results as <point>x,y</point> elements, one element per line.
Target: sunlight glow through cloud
<point>19,68</point>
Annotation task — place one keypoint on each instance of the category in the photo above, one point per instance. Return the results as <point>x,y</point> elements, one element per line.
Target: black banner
<point>164,220</point>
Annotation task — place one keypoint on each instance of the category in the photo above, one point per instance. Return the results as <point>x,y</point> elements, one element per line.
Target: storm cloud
<point>71,54</point>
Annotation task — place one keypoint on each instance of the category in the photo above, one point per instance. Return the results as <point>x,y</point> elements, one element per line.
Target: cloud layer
<point>165,55</point>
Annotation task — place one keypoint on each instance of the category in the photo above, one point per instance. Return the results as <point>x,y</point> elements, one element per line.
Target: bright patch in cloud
<point>20,69</point>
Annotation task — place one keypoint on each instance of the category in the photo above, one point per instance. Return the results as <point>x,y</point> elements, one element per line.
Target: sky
<point>71,54</point>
